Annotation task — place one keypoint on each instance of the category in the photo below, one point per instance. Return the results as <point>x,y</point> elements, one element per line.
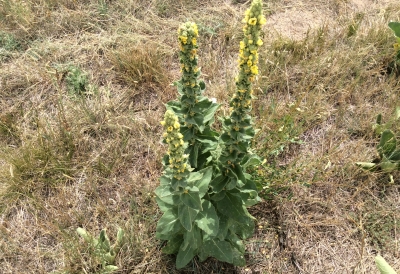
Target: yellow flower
<point>263,21</point>
<point>242,45</point>
<point>177,125</point>
<point>194,41</point>
<point>249,63</point>
<point>195,30</point>
<point>183,39</point>
<point>254,70</point>
<point>169,129</point>
<point>162,123</point>
<point>259,42</point>
<point>250,42</point>
<point>252,21</point>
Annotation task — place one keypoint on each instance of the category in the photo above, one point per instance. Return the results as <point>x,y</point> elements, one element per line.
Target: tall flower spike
<point>176,145</point>
<point>238,127</point>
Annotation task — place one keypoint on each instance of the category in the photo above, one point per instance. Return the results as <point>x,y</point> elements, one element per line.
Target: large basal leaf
<point>184,256</point>
<point>395,26</point>
<point>221,250</point>
<point>173,245</point>
<point>191,198</point>
<point>169,223</point>
<point>224,224</point>
<point>187,216</point>
<point>192,238</point>
<point>207,219</point>
<point>232,206</point>
<point>244,229</point>
<point>387,144</point>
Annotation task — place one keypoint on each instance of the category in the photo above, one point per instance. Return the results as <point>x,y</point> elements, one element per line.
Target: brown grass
<point>93,160</point>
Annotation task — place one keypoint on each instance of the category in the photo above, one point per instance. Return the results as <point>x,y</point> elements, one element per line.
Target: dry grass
<point>92,159</point>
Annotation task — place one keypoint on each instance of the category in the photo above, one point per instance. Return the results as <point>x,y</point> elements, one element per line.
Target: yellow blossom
<point>254,70</point>
<point>183,39</point>
<point>194,41</point>
<point>259,42</point>
<point>177,125</point>
<point>252,21</point>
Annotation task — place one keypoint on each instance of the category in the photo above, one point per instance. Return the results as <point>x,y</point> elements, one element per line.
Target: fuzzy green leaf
<point>166,194</point>
<point>187,216</point>
<point>209,113</point>
<point>162,205</point>
<point>194,176</point>
<point>191,198</point>
<point>173,245</point>
<point>204,182</point>
<point>184,256</point>
<point>395,26</point>
<point>387,143</point>
<point>383,266</point>
<point>168,225</point>
<point>221,250</point>
<point>232,206</point>
<point>192,238</point>
<point>218,183</point>
<point>207,219</point>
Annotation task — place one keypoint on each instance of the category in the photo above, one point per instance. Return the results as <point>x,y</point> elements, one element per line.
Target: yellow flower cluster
<point>248,57</point>
<point>174,139</point>
<point>187,36</point>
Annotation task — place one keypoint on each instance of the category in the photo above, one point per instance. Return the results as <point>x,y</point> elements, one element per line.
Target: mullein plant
<point>204,191</point>
<point>195,111</point>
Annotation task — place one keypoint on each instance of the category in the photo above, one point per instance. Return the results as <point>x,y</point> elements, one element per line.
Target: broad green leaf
<point>204,182</point>
<point>193,155</point>
<point>232,206</point>
<point>387,143</point>
<point>236,242</point>
<point>164,181</point>
<point>218,183</point>
<point>166,194</point>
<point>104,241</point>
<point>163,206</point>
<point>221,250</point>
<point>169,223</point>
<point>173,245</point>
<point>388,166</point>
<point>251,160</point>
<point>238,258</point>
<point>194,176</point>
<point>249,197</point>
<point>191,198</point>
<point>395,26</point>
<point>383,266</point>
<point>187,216</point>
<point>209,113</point>
<point>395,156</point>
<point>184,257</point>
<point>244,229</point>
<point>218,196</point>
<point>207,219</point>
<point>192,238</point>
<point>224,224</point>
